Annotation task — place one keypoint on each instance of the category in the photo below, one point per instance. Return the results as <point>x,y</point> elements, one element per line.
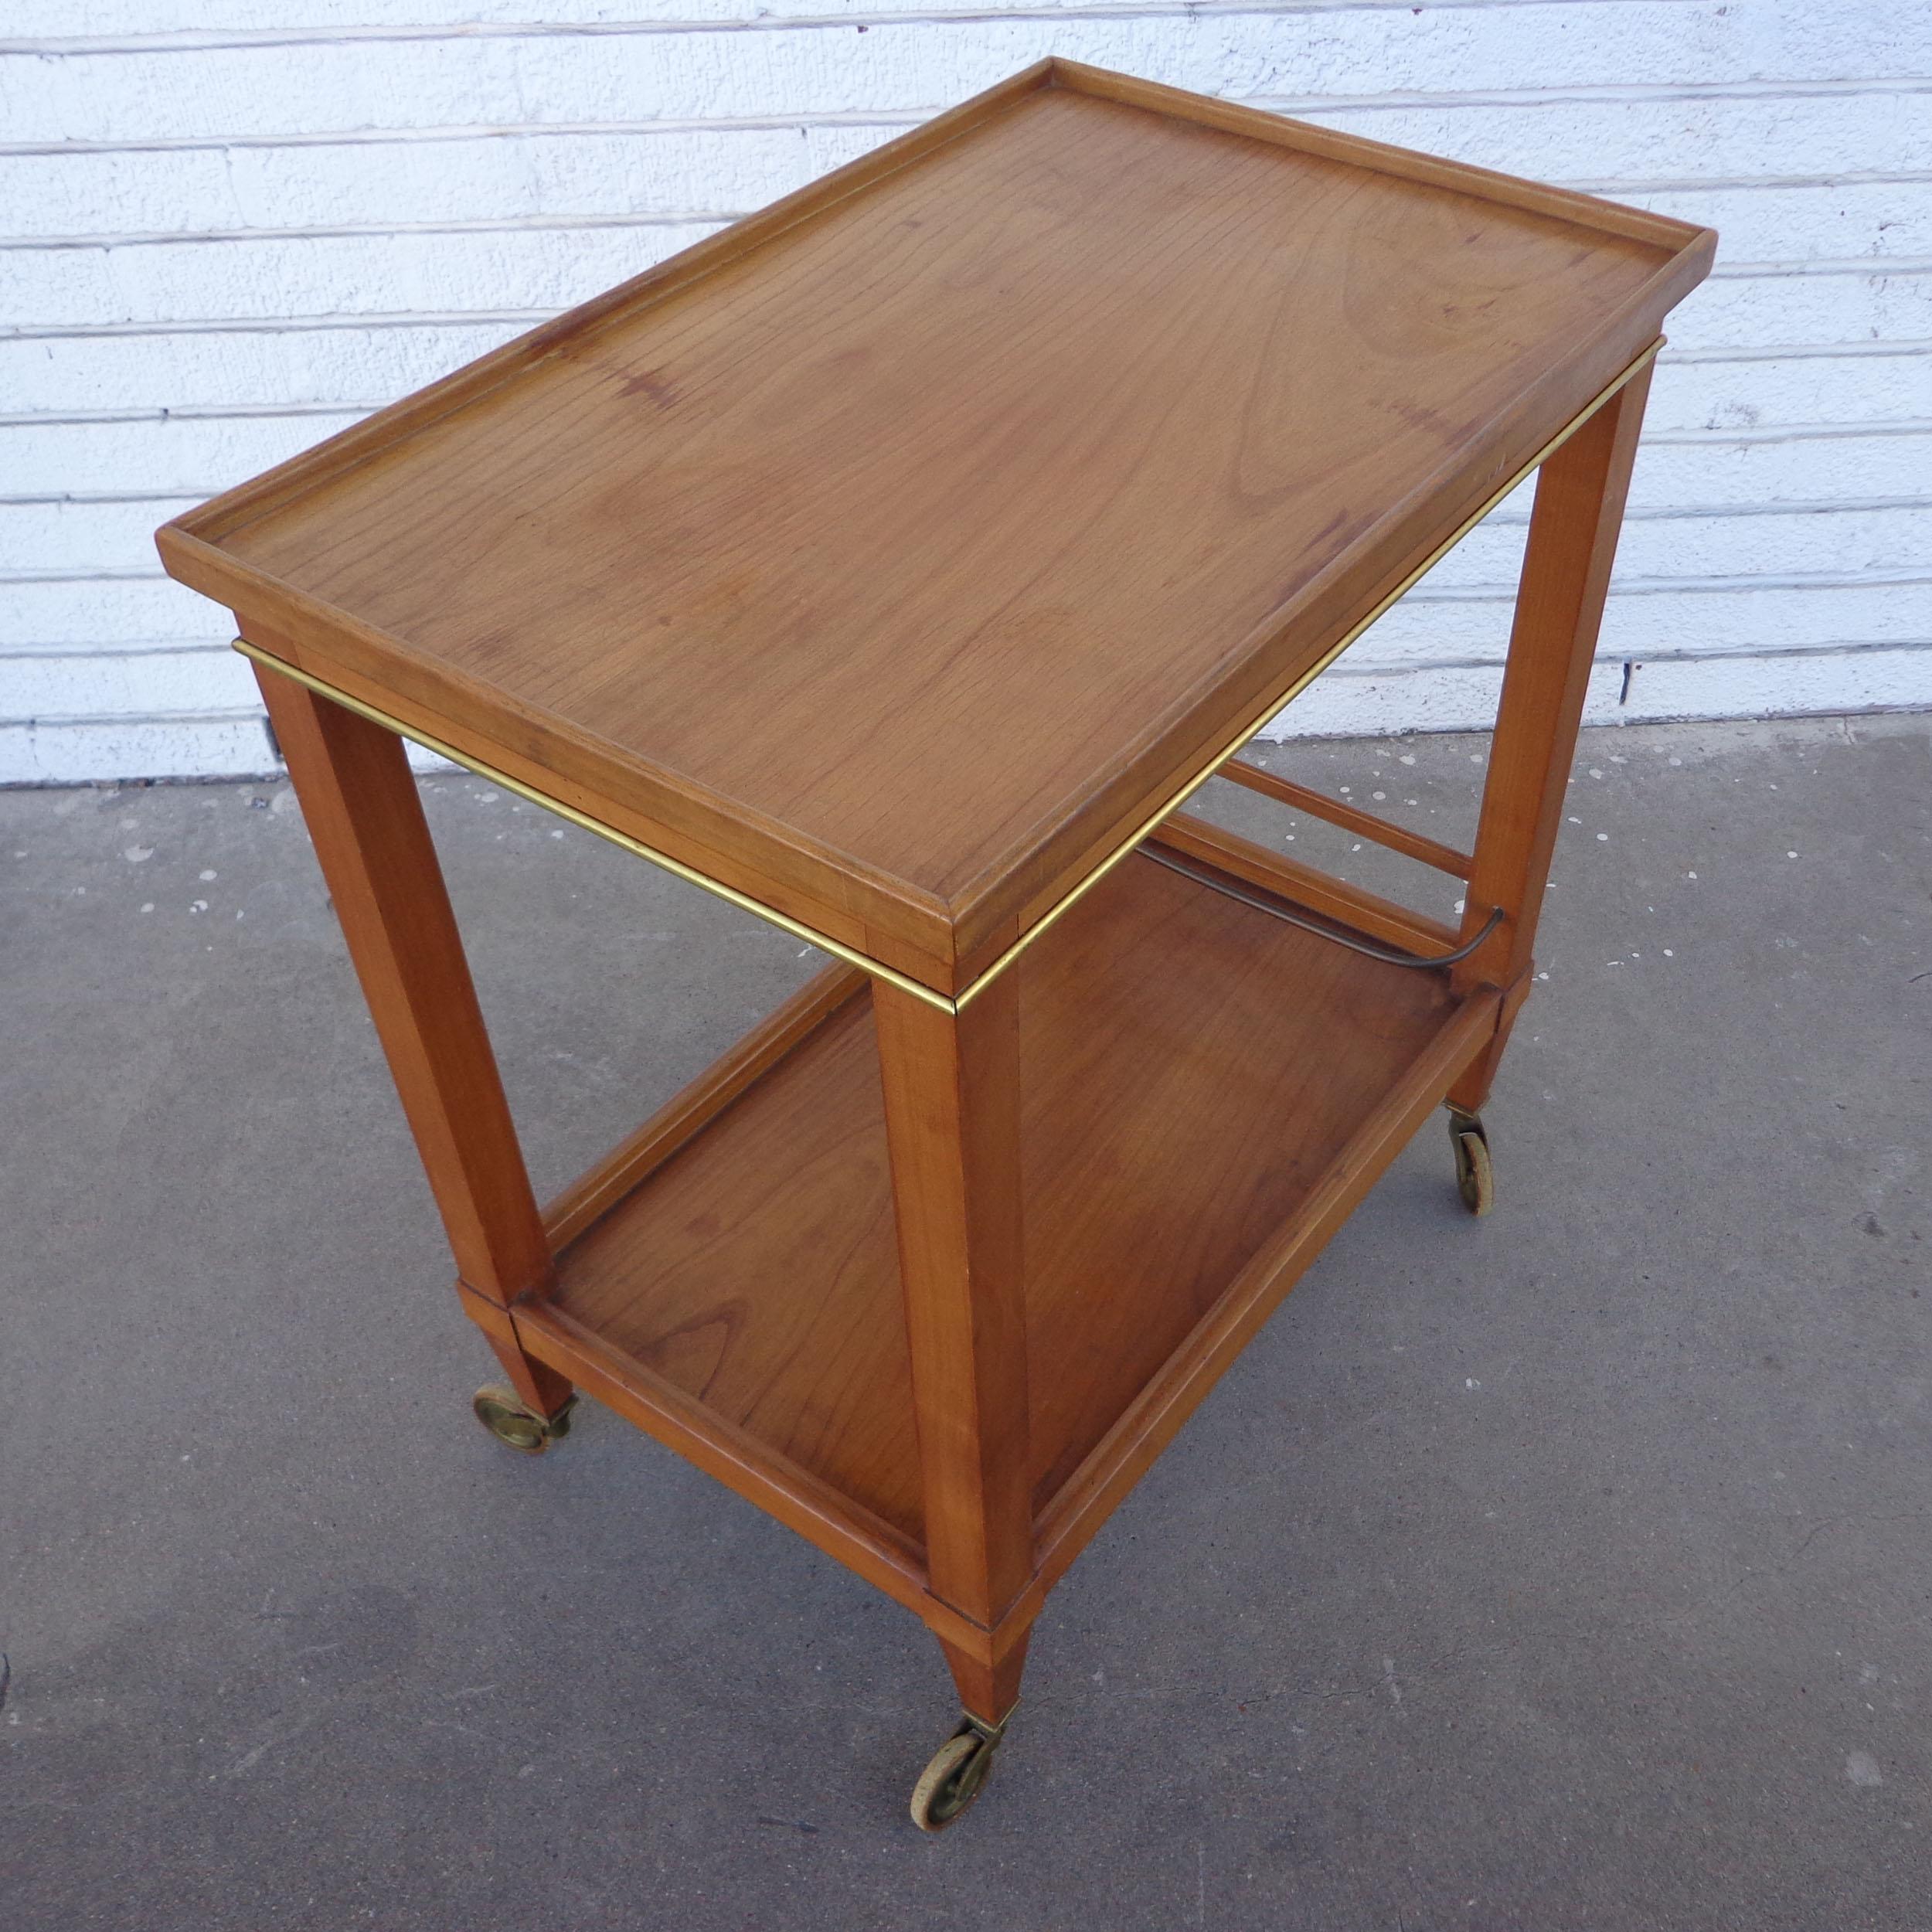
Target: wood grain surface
<point>1189,1069</point>
<point>954,1085</point>
<point>903,556</point>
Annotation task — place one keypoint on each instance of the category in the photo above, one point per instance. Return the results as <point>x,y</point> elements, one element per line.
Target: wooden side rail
<point>1411,845</point>
<point>1302,886</point>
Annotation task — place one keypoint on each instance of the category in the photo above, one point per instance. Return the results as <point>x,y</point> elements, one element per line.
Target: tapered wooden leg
<point>365,819</point>
<point>988,1690</point>
<point>1560,608</point>
<point>952,1121</point>
<point>540,1386</point>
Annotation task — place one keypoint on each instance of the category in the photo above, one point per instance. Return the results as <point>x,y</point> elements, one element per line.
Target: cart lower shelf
<point>1206,1092</point>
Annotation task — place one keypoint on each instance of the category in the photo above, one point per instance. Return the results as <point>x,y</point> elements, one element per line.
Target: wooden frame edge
<point>580,1206</point>
<point>844,1530</point>
<point>977,936</point>
<point>904,926</point>
<point>553,800</point>
<point>224,514</point>
<point>1074,1514</point>
<point>1382,157</point>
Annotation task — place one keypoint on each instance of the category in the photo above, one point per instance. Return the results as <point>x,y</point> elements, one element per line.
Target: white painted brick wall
<point>229,228</point>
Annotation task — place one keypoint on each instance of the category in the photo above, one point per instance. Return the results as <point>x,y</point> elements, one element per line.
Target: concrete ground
<point>1568,1569</point>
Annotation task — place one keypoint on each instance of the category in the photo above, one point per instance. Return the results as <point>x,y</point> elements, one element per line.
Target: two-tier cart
<point>895,563</point>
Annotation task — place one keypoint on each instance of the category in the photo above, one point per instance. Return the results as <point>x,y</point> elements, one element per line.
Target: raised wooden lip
<point>945,949</point>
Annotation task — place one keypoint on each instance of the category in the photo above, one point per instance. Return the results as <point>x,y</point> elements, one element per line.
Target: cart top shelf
<point>894,555</point>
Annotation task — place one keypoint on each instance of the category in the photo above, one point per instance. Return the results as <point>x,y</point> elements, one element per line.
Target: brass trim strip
<point>576,818</point>
<point>1275,704</point>
<point>903,981</point>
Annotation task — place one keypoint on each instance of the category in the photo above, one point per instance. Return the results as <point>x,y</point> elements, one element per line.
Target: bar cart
<point>895,563</point>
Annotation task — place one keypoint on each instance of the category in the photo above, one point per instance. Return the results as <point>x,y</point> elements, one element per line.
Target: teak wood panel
<point>1112,404</point>
<point>1189,1069</point>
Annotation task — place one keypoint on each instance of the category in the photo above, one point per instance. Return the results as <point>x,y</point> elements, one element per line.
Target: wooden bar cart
<point>895,563</point>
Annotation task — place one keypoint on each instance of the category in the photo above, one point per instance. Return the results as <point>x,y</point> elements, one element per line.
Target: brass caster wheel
<point>956,1776</point>
<point>511,1420</point>
<point>1475,1173</point>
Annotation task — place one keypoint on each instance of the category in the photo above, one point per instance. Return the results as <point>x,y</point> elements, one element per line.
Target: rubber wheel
<point>513,1422</point>
<point>948,1785</point>
<point>1475,1173</point>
